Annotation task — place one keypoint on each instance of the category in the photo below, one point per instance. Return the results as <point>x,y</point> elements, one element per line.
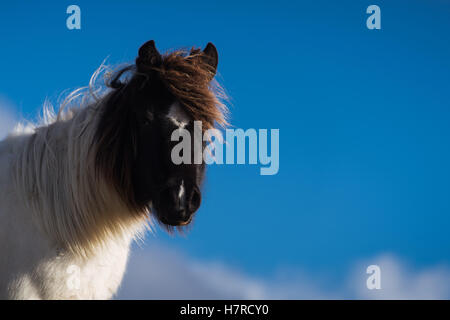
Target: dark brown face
<point>173,190</point>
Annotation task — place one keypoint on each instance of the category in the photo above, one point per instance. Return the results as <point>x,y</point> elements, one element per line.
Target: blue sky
<point>363,118</point>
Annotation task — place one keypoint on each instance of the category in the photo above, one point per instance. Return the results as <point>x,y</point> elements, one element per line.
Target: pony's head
<point>134,146</point>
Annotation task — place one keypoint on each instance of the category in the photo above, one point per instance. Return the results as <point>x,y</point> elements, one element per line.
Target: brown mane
<point>190,79</point>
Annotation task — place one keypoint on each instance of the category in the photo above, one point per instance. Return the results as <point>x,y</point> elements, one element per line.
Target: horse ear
<point>211,57</point>
<point>149,55</point>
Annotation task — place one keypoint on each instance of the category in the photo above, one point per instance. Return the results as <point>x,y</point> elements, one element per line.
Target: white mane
<point>56,177</point>
<point>57,194</point>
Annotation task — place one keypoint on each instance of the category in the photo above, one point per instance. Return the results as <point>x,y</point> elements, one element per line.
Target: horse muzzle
<point>177,204</point>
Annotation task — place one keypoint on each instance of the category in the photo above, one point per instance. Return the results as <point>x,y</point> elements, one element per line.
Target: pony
<point>76,191</point>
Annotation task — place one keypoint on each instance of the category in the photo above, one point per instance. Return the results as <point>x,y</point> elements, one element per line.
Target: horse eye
<point>148,118</point>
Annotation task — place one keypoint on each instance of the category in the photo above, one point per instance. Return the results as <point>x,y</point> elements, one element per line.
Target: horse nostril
<point>194,200</point>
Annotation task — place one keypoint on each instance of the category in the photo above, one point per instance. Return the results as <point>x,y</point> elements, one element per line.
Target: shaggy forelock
<point>189,78</point>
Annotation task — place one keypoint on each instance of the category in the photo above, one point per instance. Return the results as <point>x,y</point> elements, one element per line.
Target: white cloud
<point>400,281</point>
<point>7,118</point>
<point>159,272</point>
